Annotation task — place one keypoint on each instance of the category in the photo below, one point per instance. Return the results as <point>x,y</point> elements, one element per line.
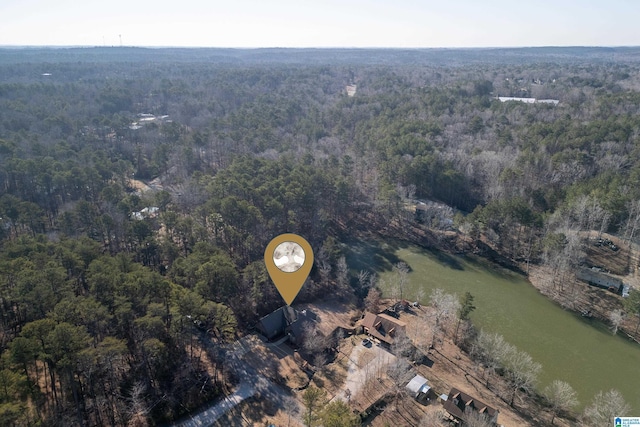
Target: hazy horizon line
<point>14,46</point>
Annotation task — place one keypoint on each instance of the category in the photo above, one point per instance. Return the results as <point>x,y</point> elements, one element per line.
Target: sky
<point>320,23</point>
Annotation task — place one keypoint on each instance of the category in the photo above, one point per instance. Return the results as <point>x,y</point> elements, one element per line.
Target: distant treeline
<point>311,56</point>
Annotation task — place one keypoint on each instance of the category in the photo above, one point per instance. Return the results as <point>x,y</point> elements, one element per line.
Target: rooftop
<point>458,402</point>
<point>417,384</point>
<point>382,326</point>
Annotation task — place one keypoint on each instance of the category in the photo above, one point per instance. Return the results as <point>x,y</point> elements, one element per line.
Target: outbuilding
<point>594,277</point>
<point>419,388</point>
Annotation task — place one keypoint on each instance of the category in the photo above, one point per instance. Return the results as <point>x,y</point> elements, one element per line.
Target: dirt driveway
<point>364,363</point>
<point>210,415</point>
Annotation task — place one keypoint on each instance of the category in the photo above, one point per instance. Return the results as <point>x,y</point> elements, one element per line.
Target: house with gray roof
<point>285,321</point>
<point>594,277</point>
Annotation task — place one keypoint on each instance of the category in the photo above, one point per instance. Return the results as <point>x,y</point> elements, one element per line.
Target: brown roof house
<point>383,327</point>
<point>460,405</point>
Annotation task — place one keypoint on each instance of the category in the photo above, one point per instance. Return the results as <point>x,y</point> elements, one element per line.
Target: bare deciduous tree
<point>583,211</point>
<point>372,301</point>
<point>402,277</point>
<point>342,275</point>
<point>604,223</point>
<point>435,418</point>
<point>312,340</point>
<point>420,294</point>
<point>373,281</point>
<point>473,418</point>
<point>324,265</point>
<point>394,290</point>
<point>320,359</point>
<point>363,280</point>
<point>138,407</point>
<point>564,255</point>
<point>490,350</point>
<point>402,345</point>
<point>604,407</point>
<point>632,306</point>
<point>520,371</point>
<point>560,397</point>
<point>633,220</point>
<point>400,371</point>
<point>445,308</point>
<point>616,317</point>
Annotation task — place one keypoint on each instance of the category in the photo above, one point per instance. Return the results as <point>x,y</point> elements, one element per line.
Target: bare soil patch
<point>404,412</point>
<point>139,185</point>
<point>332,314</point>
<point>278,363</point>
<point>367,379</point>
<point>365,357</point>
<point>332,376</point>
<point>205,361</point>
<point>600,252</point>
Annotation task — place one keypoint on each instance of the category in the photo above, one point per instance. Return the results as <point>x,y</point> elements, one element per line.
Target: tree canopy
<point>138,190</point>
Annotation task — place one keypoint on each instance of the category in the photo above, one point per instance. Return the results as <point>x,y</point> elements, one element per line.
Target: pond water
<point>570,348</point>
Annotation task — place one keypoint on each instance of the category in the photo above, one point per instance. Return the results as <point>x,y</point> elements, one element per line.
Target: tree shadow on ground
<point>425,361</point>
<point>250,412</point>
<point>379,255</point>
<point>264,362</point>
<point>373,254</point>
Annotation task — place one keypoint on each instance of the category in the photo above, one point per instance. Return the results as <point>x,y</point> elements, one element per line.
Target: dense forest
<point>139,188</point>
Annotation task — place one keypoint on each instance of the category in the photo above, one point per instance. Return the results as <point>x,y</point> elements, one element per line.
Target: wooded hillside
<point>137,195</point>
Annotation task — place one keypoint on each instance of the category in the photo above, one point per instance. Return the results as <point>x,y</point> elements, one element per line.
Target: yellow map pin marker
<point>289,259</point>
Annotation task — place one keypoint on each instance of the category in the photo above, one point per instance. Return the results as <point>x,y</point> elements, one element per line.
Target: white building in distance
<point>528,100</point>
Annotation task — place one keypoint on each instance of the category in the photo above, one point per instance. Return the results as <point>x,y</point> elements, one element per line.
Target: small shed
<point>419,388</point>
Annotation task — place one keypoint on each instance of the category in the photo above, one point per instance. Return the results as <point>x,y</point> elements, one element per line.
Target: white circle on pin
<point>288,257</point>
